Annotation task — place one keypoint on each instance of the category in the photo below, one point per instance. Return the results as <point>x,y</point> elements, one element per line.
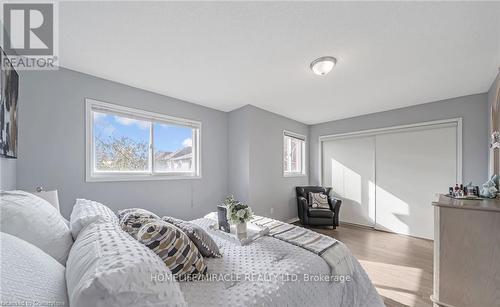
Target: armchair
<point>317,216</point>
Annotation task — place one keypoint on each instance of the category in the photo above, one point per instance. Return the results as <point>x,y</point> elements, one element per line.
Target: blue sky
<point>167,138</point>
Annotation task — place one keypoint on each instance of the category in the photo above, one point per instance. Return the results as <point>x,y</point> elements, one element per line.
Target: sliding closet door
<point>349,168</point>
<point>411,167</point>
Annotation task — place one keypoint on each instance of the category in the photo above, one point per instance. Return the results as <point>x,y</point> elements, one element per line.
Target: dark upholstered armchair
<point>317,216</point>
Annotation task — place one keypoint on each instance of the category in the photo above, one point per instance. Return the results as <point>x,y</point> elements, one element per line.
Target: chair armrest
<point>302,208</point>
<point>335,204</point>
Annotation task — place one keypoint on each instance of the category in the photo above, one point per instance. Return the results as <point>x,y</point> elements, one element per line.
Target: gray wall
<point>473,110</point>
<point>266,187</point>
<point>52,150</point>
<point>239,154</point>
<point>241,150</point>
<point>7,174</point>
<point>52,145</point>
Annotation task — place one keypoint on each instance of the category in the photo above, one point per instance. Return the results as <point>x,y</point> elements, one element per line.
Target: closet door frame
<point>400,128</point>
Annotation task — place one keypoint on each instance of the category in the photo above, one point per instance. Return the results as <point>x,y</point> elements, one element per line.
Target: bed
<point>267,268</point>
<point>106,267</point>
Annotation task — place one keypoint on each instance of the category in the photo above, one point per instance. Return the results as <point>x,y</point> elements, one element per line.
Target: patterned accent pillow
<point>121,213</point>
<point>318,200</point>
<point>132,220</point>
<point>203,241</point>
<point>175,249</point>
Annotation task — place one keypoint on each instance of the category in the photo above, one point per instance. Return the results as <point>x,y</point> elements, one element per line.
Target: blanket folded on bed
<point>332,251</point>
<point>305,238</point>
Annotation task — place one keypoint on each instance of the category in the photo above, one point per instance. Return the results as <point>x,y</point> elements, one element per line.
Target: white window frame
<point>302,138</point>
<point>91,175</point>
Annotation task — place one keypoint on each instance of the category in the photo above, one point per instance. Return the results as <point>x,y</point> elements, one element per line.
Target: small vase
<point>241,228</point>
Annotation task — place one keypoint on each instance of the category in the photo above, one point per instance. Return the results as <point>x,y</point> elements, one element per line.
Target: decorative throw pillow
<point>318,200</point>
<point>132,220</point>
<point>121,213</point>
<point>36,221</point>
<point>86,212</point>
<point>203,241</point>
<point>175,249</point>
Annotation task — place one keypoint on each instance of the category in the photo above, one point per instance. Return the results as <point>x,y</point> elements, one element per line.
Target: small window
<point>131,144</point>
<point>293,154</point>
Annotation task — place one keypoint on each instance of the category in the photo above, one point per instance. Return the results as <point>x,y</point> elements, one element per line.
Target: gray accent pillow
<point>318,200</point>
<point>205,244</point>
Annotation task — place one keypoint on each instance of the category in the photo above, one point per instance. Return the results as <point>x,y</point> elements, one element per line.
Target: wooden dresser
<point>466,252</point>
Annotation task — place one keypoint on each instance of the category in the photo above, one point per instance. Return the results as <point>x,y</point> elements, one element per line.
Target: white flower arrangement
<point>237,212</point>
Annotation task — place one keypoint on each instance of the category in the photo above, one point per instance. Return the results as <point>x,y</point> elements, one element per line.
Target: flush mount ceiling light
<point>323,65</point>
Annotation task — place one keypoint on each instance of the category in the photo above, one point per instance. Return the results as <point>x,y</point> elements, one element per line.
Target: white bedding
<point>29,276</point>
<point>256,275</point>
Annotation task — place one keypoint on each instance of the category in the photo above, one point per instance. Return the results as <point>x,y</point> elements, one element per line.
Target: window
<point>293,154</point>
<point>130,144</point>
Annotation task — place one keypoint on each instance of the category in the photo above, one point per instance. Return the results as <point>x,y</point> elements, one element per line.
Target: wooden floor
<point>399,266</point>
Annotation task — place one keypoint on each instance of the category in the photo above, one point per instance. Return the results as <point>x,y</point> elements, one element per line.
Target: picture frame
<point>9,96</point>
<point>222,219</point>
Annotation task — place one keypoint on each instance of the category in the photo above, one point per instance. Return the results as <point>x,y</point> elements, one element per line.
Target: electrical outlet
<point>272,211</point>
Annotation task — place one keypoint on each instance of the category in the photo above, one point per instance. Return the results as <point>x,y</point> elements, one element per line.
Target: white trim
<point>151,149</point>
<point>291,175</point>
<point>299,137</point>
<point>438,303</point>
<point>399,128</point>
<point>294,135</point>
<point>140,114</point>
<point>437,246</point>
<point>292,220</point>
<point>457,122</point>
<point>137,177</point>
<point>92,176</point>
<point>459,150</point>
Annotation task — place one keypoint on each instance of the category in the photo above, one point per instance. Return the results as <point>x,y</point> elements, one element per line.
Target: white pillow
<point>34,220</point>
<point>107,267</point>
<point>86,212</point>
<point>30,277</point>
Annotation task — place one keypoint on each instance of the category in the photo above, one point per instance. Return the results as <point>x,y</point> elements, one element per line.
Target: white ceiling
<point>228,54</point>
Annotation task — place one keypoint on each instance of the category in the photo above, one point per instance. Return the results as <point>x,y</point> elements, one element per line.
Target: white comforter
<point>271,272</point>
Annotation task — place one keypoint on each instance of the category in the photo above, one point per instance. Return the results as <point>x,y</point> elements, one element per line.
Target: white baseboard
<point>294,220</point>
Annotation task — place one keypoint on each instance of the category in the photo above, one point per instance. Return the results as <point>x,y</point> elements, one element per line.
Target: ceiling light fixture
<point>323,65</point>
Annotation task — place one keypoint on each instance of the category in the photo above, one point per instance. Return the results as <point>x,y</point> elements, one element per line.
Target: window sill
<point>294,175</point>
<point>111,178</point>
